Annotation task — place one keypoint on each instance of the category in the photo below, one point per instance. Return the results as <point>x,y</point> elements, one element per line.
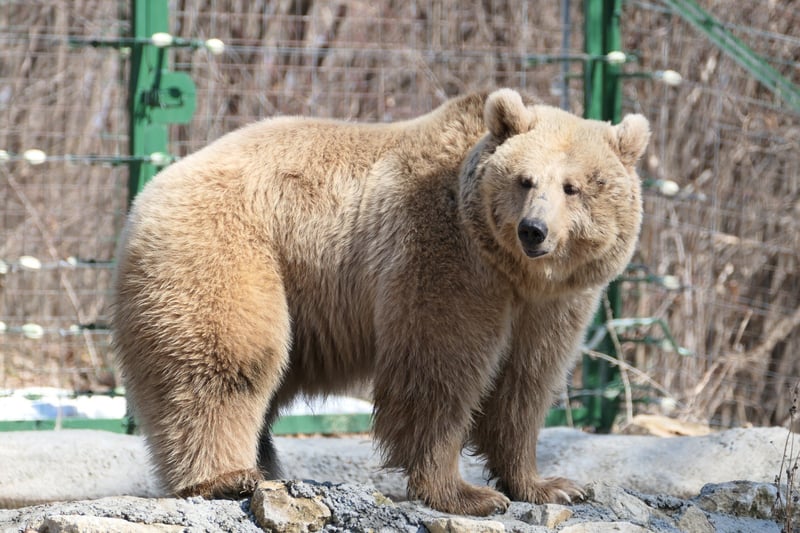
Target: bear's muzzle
<point>532,232</point>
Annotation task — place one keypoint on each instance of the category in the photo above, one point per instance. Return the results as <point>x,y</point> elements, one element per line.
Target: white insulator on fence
<point>616,57</point>
<point>28,262</point>
<point>160,159</point>
<point>4,156</point>
<point>215,46</point>
<point>668,188</point>
<point>161,39</point>
<point>34,156</point>
<point>670,77</point>
<point>671,282</point>
<point>32,331</point>
<point>3,327</point>
<point>668,405</point>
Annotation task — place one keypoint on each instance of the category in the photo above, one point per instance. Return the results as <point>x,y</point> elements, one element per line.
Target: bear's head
<point>553,198</point>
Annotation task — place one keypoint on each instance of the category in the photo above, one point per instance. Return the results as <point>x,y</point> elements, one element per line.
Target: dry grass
<point>787,503</point>
<point>731,235</point>
<point>63,101</point>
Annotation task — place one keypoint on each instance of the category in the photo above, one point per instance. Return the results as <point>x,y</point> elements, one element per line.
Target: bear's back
<point>328,203</point>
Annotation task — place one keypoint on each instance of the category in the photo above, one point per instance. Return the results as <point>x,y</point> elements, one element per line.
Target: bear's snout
<point>532,232</point>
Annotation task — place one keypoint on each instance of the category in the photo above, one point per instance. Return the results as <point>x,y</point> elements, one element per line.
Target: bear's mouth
<point>533,253</point>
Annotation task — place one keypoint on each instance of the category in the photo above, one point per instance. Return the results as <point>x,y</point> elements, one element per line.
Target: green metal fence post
<point>756,65</point>
<point>156,96</point>
<point>602,101</point>
<point>145,136</point>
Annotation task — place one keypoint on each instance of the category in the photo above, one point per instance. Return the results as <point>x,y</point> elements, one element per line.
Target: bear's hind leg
<point>202,432</point>
<point>201,370</point>
<point>217,456</point>
<point>268,462</point>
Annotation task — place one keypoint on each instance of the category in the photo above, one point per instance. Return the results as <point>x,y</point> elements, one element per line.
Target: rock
<point>42,466</point>
<point>604,527</point>
<point>93,524</point>
<point>739,498</point>
<point>348,507</point>
<point>463,525</point>
<point>78,465</point>
<point>549,515</point>
<point>357,507</point>
<point>625,506</point>
<point>135,514</point>
<point>663,426</point>
<point>277,510</point>
<point>678,466</point>
<point>744,506</point>
<point>695,520</point>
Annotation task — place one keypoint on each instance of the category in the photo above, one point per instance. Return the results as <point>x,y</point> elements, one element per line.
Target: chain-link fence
<point>729,238</point>
<point>58,219</point>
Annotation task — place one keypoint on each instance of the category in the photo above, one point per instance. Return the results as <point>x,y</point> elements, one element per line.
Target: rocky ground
<point>719,482</point>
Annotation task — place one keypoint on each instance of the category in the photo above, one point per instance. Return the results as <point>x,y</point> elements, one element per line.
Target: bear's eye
<point>570,189</point>
<point>595,177</point>
<point>526,182</point>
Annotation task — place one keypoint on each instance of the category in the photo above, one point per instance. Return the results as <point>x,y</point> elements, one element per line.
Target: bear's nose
<point>532,232</point>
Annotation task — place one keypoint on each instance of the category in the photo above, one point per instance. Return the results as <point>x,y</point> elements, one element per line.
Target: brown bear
<point>455,259</point>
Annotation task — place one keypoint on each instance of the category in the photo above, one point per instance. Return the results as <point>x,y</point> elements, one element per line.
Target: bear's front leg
<point>545,340</point>
<point>421,427</point>
<point>437,482</point>
<point>430,375</point>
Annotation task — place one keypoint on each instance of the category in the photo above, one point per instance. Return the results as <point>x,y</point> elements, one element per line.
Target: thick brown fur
<point>297,256</point>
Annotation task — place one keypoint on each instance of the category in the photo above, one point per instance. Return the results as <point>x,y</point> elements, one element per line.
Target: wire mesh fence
<point>729,237</point>
<point>59,218</point>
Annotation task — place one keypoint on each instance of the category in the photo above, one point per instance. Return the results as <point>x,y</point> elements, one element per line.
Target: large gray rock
<point>678,466</point>
<point>42,466</point>
<point>119,512</point>
<point>278,506</point>
<point>739,498</point>
<point>304,506</point>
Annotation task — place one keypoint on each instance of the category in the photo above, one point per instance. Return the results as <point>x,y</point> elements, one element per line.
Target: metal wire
<point>729,235</point>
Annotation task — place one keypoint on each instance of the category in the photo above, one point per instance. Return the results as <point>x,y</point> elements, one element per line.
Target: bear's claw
<point>546,490</point>
<point>468,500</point>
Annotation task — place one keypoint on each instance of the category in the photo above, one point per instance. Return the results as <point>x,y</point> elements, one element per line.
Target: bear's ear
<point>632,135</point>
<point>506,115</point>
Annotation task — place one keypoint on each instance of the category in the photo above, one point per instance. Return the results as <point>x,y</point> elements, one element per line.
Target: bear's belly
<point>331,350</point>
